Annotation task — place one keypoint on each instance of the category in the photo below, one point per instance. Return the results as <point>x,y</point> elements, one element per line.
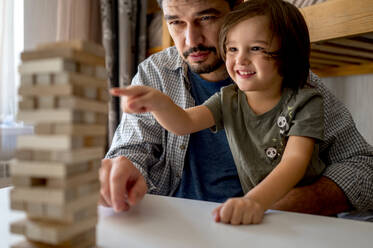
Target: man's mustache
<point>199,48</point>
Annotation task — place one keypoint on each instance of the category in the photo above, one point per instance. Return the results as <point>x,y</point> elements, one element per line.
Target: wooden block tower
<point>55,173</point>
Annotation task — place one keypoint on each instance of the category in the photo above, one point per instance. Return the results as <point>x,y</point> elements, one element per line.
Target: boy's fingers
<point>216,213</point>
<point>119,91</point>
<point>227,211</point>
<point>129,91</point>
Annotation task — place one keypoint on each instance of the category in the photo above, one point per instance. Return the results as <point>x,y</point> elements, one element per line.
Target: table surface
<point>172,222</point>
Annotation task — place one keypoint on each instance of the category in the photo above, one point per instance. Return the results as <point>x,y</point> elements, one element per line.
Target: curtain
<point>79,20</point>
<point>11,43</point>
<point>124,40</point>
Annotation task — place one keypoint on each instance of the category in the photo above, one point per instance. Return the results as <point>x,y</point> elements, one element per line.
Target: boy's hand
<point>139,99</point>
<point>241,210</point>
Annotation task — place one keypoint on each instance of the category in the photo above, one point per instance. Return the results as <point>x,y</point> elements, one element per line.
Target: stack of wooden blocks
<point>55,173</point>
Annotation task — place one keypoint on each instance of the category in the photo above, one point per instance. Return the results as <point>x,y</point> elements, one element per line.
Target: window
<point>11,45</point>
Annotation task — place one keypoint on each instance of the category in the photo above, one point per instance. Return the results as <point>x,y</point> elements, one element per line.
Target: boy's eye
<point>257,49</point>
<point>231,49</point>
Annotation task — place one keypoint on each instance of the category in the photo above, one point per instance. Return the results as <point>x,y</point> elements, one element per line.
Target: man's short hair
<point>231,3</point>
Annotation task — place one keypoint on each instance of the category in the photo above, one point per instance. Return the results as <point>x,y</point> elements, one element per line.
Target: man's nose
<point>193,36</point>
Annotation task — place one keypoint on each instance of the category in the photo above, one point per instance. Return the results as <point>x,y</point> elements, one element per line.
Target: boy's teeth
<point>246,72</point>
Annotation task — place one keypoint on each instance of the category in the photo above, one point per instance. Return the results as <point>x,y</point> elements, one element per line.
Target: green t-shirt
<point>257,142</point>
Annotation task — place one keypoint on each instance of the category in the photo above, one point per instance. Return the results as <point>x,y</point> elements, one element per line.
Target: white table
<point>163,222</point>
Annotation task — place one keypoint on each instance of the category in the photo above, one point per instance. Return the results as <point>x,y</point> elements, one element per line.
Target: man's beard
<point>200,68</point>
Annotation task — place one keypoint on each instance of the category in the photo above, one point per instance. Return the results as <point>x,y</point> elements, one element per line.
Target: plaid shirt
<point>159,155</point>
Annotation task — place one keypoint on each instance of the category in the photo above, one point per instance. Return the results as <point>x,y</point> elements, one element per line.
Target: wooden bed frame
<point>341,33</point>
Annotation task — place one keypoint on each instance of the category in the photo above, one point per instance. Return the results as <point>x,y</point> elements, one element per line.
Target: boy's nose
<point>243,59</point>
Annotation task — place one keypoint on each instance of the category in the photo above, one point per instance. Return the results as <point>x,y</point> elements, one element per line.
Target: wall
<point>40,22</point>
<point>356,92</point>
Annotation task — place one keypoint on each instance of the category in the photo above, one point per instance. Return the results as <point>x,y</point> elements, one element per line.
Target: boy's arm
<point>141,99</point>
<point>287,173</point>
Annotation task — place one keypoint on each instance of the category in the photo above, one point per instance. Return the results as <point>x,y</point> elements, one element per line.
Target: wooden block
<point>35,209</point>
<point>18,227</point>
<point>28,80</point>
<point>93,141</point>
<point>23,154</point>
<point>60,215</point>
<point>87,69</point>
<point>103,95</point>
<point>44,79</point>
<point>64,213</point>
<point>79,209</point>
<point>68,89</point>
<point>79,79</point>
<point>86,239</point>
<point>47,90</point>
<point>54,233</point>
<point>89,117</point>
<point>81,155</point>
<point>80,45</point>
<point>90,93</point>
<point>50,116</point>
<point>18,205</point>
<point>27,181</point>
<point>42,156</point>
<point>71,157</point>
<point>101,119</point>
<point>74,180</point>
<point>53,196</point>
<point>80,129</point>
<point>27,103</point>
<point>40,195</point>
<point>57,233</point>
<point>46,102</point>
<point>39,169</point>
<point>82,104</point>
<point>63,52</point>
<point>94,118</point>
<point>43,128</point>
<point>49,142</point>
<point>53,65</point>
<point>100,72</point>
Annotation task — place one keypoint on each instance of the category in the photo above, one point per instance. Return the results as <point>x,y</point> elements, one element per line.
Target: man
<point>145,158</point>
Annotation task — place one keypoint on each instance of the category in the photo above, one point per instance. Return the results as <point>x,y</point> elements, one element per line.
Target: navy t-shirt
<point>209,171</point>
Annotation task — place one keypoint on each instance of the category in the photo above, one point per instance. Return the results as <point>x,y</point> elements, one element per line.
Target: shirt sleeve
<point>349,158</point>
<point>138,136</point>
<point>214,105</point>
<point>308,119</point>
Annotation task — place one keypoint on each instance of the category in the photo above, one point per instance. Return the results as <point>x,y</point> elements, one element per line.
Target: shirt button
<point>182,147</point>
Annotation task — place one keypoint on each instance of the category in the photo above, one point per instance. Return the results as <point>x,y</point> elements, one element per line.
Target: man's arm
<point>347,181</point>
<point>348,157</point>
<point>323,197</point>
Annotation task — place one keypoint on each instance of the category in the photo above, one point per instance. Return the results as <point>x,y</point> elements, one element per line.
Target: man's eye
<point>174,23</point>
<point>207,18</point>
